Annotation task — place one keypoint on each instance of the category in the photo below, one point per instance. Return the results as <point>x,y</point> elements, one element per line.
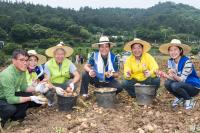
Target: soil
<point>126,117</point>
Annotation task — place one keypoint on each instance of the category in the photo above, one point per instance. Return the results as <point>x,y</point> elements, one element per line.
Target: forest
<point>25,25</point>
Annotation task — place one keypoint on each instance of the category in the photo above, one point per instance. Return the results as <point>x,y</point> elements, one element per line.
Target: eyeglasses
<point>23,60</point>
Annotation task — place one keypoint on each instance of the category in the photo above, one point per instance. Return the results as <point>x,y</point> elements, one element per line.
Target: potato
<point>42,98</point>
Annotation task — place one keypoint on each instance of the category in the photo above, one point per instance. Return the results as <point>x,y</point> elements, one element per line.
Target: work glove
<point>38,99</point>
<point>59,91</point>
<point>41,88</point>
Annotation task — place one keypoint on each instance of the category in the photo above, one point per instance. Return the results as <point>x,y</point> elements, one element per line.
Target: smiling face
<point>174,52</point>
<point>137,50</point>
<point>104,49</point>
<point>20,62</point>
<point>32,62</point>
<point>59,55</point>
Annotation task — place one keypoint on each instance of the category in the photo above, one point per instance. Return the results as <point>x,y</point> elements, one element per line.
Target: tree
<point>3,34</point>
<point>10,47</point>
<point>74,29</point>
<point>84,33</point>
<point>40,31</point>
<point>6,22</point>
<point>21,32</point>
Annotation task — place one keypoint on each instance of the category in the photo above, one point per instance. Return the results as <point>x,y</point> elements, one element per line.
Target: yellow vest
<point>59,74</point>
<point>30,77</point>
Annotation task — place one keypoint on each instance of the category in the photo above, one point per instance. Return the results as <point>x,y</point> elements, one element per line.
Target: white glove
<point>37,100</point>
<point>71,85</point>
<point>59,91</point>
<point>41,88</point>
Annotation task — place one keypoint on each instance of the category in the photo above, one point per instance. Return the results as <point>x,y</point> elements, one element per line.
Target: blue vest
<point>38,71</point>
<point>101,76</point>
<point>192,78</point>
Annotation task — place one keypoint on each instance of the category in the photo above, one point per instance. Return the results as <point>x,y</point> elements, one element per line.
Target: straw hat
<point>68,50</point>
<point>103,40</point>
<point>146,45</point>
<point>174,42</point>
<point>41,58</point>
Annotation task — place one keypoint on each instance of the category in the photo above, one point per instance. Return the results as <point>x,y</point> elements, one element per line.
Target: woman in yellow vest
<point>34,71</point>
<point>140,67</point>
<point>58,69</point>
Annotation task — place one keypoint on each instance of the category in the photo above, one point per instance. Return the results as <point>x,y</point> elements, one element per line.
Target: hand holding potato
<point>109,74</point>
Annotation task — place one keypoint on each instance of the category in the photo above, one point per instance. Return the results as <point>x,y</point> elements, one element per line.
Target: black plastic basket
<point>106,99</point>
<point>145,94</point>
<point>66,103</point>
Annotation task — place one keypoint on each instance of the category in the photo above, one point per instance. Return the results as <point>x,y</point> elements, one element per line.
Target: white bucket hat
<point>41,58</point>
<point>174,42</point>
<point>103,40</point>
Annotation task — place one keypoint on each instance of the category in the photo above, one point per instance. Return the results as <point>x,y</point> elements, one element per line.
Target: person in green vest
<point>35,69</point>
<point>59,70</point>
<point>15,94</point>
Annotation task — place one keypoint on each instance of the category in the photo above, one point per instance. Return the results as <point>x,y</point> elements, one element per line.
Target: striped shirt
<point>187,69</point>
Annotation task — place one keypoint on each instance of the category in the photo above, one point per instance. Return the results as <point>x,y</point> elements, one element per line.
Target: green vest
<point>59,74</point>
<point>30,77</point>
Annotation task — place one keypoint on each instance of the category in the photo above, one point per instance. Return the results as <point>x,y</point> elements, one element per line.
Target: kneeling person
<point>15,94</point>
<point>101,69</point>
<point>59,70</point>
<point>140,67</point>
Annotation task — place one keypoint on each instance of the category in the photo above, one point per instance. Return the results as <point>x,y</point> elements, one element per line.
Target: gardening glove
<point>37,100</point>
<point>59,91</point>
<point>71,85</point>
<point>41,88</point>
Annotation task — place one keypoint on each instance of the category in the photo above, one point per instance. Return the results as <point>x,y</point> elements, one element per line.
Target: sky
<point>76,4</point>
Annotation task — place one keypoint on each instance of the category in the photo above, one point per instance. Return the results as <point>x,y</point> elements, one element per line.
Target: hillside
<point>27,25</point>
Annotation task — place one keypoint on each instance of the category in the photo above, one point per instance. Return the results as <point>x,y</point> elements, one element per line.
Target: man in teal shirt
<point>15,95</point>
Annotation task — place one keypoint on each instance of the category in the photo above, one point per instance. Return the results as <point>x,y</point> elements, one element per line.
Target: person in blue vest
<point>182,80</point>
<point>101,69</point>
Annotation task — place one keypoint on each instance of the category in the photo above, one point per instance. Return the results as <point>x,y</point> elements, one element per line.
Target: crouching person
<point>60,71</point>
<point>15,94</point>
<point>101,69</point>
<point>140,67</point>
<point>35,72</point>
<point>181,80</point>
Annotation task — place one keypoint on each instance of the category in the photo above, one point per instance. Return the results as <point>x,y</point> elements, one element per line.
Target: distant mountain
<point>160,22</point>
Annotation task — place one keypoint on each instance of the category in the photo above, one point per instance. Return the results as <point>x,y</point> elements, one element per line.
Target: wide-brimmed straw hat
<point>146,45</point>
<point>103,40</point>
<point>41,58</point>
<point>174,42</point>
<point>68,50</point>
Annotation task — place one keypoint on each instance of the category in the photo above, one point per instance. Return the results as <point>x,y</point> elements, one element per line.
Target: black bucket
<point>145,94</point>
<point>66,103</point>
<point>106,97</point>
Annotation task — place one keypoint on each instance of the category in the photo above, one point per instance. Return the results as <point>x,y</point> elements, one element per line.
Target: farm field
<point>126,117</point>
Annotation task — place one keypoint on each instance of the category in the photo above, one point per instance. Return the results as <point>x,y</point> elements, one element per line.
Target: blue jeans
<point>129,85</point>
<point>181,89</point>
